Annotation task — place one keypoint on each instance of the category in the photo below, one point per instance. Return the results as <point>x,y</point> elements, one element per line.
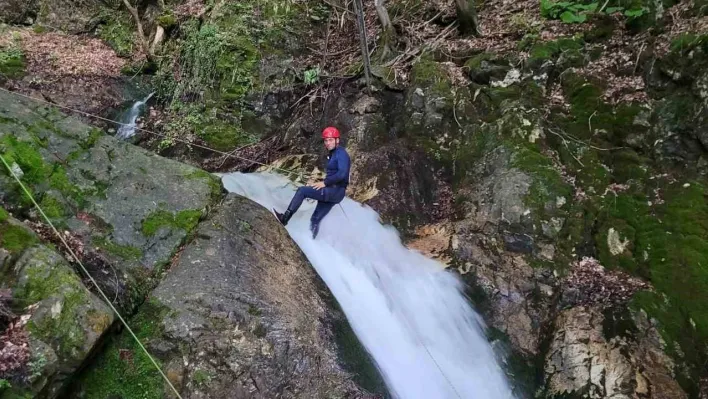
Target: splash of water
<point>407,310</point>
<point>127,130</point>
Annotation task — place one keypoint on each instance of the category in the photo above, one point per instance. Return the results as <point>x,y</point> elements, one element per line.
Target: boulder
<point>61,321</point>
<point>240,315</point>
<point>129,208</point>
<point>584,360</point>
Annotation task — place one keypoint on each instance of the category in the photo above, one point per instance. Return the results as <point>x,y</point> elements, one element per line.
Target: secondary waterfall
<point>407,310</point>
<point>127,130</point>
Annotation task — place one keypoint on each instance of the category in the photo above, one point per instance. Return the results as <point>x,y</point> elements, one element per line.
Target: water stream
<point>127,130</point>
<point>407,310</point>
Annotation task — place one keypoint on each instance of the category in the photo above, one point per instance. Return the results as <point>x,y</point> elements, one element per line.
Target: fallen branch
<point>569,137</point>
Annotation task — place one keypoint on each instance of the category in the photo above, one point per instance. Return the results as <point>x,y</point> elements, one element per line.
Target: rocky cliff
<point>557,161</point>
<point>211,284</point>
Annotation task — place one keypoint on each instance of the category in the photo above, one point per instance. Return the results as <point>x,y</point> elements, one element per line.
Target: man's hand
<point>318,186</point>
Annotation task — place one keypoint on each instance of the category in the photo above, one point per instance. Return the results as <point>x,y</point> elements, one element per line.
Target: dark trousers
<point>326,200</point>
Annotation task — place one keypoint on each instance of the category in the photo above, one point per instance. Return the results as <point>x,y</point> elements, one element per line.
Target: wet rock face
<point>130,209</point>
<point>584,360</point>
<point>490,242</point>
<point>243,316</point>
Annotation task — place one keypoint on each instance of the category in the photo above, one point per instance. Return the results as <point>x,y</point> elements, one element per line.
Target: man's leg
<point>321,210</point>
<point>300,195</point>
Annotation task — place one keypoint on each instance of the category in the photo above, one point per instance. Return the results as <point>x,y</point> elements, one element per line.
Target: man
<point>329,192</point>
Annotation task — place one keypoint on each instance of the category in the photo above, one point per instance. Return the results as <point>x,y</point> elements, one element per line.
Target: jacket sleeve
<point>342,170</point>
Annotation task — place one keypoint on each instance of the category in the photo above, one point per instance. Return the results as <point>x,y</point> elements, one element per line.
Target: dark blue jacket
<point>337,178</point>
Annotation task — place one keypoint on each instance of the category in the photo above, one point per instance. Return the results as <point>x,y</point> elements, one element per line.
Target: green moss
<point>127,252</point>
<point>118,32</point>
<point>3,215</point>
<point>215,186</point>
<point>544,51</point>
<point>476,61</point>
<point>45,279</point>
<point>224,136</point>
<point>52,207</point>
<point>122,369</point>
<point>428,73</point>
<point>185,220</point>
<point>16,238</point>
<point>64,331</point>
<point>665,243</point>
<point>547,186</point>
<point>167,20</point>
<point>26,157</point>
<point>12,62</point>
<point>91,140</point>
<point>201,377</point>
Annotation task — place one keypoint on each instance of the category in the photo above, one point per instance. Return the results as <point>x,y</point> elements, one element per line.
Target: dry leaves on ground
<point>589,283</point>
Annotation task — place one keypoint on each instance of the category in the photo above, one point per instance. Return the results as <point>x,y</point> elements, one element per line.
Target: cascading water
<point>407,310</point>
<point>127,130</point>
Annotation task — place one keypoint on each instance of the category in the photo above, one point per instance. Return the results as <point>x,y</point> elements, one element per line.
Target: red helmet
<point>330,132</point>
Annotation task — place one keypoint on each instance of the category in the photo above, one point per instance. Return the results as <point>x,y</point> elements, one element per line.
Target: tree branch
<point>143,42</point>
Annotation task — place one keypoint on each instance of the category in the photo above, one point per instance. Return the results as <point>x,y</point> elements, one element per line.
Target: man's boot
<point>314,228</point>
<point>283,217</point>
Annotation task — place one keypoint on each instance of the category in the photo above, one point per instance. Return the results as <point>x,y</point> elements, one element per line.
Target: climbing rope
<point>288,172</point>
<point>76,258</point>
<point>417,338</point>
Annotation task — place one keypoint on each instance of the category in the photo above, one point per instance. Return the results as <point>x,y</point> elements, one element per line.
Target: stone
<point>281,342</point>
<point>581,359</point>
<point>134,208</point>
<point>66,321</point>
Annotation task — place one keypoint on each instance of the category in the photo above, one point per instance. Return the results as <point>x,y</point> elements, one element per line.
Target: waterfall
<point>410,313</point>
<point>127,130</point>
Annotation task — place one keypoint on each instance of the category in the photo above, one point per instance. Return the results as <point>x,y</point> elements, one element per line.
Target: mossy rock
<point>486,66</point>
<point>603,27</point>
<point>123,360</point>
<point>666,244</point>
<point>68,321</point>
<point>428,73</point>
<point>687,59</point>
<point>544,51</point>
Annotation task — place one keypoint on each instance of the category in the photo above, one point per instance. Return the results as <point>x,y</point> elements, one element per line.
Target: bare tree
<point>388,32</point>
<point>467,17</point>
<point>143,42</point>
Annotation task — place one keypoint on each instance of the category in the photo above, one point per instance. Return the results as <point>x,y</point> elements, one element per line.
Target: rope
<point>417,338</point>
<point>206,148</point>
<point>288,172</point>
<point>105,298</point>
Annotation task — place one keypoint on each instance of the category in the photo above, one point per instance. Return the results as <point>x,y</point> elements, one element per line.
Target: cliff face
<point>200,277</point>
<point>557,161</point>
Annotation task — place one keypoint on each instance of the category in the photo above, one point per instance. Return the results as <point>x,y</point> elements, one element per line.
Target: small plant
<point>567,11</point>
<point>37,366</point>
<point>11,61</point>
<point>312,76</point>
<point>575,12</point>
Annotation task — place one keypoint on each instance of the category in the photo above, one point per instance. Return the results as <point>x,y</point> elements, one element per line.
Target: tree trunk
<point>143,42</point>
<point>159,37</point>
<point>467,17</point>
<point>388,33</point>
<point>359,10</point>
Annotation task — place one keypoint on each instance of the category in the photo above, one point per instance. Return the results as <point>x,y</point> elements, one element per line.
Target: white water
<point>404,307</point>
<point>127,130</point>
